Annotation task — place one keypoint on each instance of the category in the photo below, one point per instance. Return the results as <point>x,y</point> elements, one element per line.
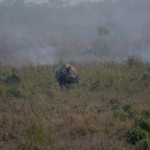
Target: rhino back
<point>60,72</point>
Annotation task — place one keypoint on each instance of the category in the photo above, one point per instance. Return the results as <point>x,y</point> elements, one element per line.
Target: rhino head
<point>71,76</point>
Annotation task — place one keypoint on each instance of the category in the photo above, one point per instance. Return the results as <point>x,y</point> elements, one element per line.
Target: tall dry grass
<point>94,114</point>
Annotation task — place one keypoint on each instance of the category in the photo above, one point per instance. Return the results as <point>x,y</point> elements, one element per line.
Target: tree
<point>102,31</point>
<point>100,46</point>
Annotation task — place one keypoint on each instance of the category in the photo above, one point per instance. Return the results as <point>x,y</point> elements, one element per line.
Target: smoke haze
<point>87,32</point>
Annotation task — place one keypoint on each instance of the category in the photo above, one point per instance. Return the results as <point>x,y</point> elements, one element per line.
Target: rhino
<point>66,75</point>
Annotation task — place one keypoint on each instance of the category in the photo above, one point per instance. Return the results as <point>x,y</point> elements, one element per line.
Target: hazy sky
<point>44,1</point>
<point>40,34</point>
<point>74,1</point>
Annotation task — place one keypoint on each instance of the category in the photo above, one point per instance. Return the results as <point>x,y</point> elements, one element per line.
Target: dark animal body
<point>66,75</point>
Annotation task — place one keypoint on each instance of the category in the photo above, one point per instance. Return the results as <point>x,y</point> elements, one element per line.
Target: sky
<point>45,1</point>
<point>73,1</point>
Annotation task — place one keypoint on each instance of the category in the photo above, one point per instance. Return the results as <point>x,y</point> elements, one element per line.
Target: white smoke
<point>40,34</point>
<point>18,49</point>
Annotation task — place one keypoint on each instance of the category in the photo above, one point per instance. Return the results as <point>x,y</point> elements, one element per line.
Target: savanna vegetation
<point>108,110</point>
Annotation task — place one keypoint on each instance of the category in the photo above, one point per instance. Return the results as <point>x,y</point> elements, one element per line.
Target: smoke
<point>19,49</point>
<point>41,34</point>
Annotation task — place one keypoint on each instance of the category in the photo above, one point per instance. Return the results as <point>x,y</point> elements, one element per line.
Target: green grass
<point>95,114</point>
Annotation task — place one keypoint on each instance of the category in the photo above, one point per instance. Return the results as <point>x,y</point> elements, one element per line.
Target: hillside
<point>109,109</point>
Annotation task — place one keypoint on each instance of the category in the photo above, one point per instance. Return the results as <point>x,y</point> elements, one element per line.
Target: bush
<point>143,145</point>
<point>143,123</point>
<point>118,148</point>
<point>15,92</point>
<point>114,104</point>
<point>135,134</point>
<point>23,146</point>
<point>120,114</point>
<point>132,61</point>
<point>128,109</point>
<point>145,76</point>
<point>146,113</point>
<point>13,79</point>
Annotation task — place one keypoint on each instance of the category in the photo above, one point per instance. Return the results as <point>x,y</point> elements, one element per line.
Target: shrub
<point>128,109</point>
<point>145,76</point>
<point>23,146</point>
<point>13,79</point>
<point>143,145</point>
<point>15,92</point>
<point>132,61</point>
<point>143,123</point>
<point>93,129</point>
<point>135,134</point>
<point>120,114</point>
<point>116,147</point>
<point>114,103</point>
<point>146,113</point>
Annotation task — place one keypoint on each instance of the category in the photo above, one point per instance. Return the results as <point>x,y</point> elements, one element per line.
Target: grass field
<point>108,110</point>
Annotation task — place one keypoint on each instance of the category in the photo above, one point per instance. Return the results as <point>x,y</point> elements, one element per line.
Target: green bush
<point>118,148</point>
<point>120,114</point>
<point>23,146</point>
<point>143,123</point>
<point>114,104</point>
<point>146,113</point>
<point>128,109</point>
<point>145,76</point>
<point>13,79</point>
<point>135,134</point>
<point>143,145</point>
<point>15,92</point>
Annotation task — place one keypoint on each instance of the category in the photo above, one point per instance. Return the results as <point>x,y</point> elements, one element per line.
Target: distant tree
<point>100,46</point>
<point>102,31</point>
